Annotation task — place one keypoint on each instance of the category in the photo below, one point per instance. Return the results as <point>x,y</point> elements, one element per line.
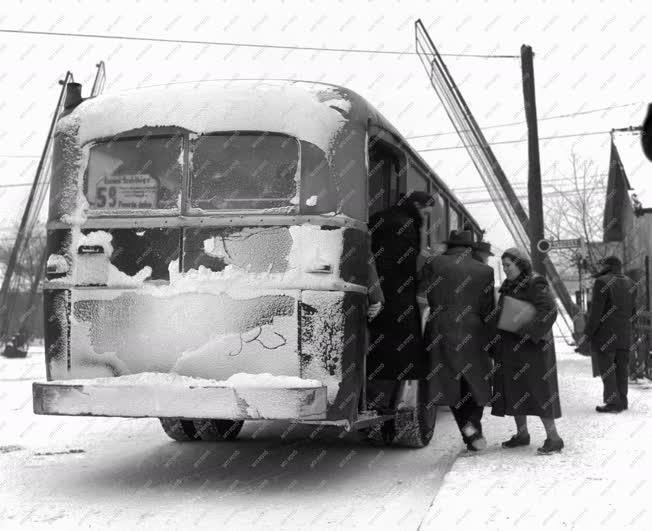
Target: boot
<point>519,439</point>
<point>550,446</point>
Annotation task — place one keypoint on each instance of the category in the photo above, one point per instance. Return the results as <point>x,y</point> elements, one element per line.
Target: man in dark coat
<point>460,292</point>
<point>396,350</point>
<point>609,328</point>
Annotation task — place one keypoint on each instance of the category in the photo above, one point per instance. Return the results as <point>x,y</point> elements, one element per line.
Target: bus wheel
<point>217,429</point>
<point>415,426</point>
<point>179,429</point>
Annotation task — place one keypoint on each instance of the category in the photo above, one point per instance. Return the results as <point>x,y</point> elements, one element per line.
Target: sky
<point>588,55</point>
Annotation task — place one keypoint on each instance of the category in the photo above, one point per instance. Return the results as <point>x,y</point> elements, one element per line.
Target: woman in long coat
<point>525,378</point>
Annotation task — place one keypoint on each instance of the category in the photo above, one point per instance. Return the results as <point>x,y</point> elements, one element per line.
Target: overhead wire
<point>510,124</point>
<point>246,44</point>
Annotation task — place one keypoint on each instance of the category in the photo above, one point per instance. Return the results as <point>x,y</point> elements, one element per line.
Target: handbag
<point>515,314</point>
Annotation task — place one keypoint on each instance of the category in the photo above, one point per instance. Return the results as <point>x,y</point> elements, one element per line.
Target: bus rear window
<point>235,171</point>
<point>134,174</point>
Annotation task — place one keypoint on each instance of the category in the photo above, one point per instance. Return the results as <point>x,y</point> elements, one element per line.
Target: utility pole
<point>535,199</point>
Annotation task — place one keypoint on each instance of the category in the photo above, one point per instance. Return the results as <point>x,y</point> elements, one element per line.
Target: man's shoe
<point>550,447</point>
<point>609,408</point>
<point>517,440</point>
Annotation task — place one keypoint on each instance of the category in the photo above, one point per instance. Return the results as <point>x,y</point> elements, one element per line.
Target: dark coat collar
<point>459,250</point>
<point>518,284</point>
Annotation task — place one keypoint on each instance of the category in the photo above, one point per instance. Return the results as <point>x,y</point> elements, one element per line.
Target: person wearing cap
<point>482,252</point>
<point>609,329</point>
<point>525,377</point>
<point>396,351</point>
<point>459,290</point>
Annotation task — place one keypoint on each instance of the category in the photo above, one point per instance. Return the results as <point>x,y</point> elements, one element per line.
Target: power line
<point>17,185</point>
<point>509,124</point>
<point>517,184</point>
<point>518,141</point>
<point>549,194</point>
<point>246,45</point>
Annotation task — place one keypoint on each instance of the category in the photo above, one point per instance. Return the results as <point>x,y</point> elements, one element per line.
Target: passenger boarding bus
<point>208,248</point>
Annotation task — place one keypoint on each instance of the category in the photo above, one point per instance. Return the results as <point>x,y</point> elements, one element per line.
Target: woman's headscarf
<point>520,258</point>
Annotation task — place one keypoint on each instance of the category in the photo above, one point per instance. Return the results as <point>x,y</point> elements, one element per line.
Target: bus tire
<point>181,430</point>
<point>217,429</point>
<point>414,427</point>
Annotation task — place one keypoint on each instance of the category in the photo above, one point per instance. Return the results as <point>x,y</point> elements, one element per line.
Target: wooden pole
<point>535,199</point>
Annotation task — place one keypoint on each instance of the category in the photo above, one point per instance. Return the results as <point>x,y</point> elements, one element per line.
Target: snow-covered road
<point>79,472</point>
<point>601,480</point>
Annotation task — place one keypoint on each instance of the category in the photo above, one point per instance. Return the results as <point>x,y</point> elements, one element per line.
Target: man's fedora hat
<point>461,237</point>
<point>483,247</point>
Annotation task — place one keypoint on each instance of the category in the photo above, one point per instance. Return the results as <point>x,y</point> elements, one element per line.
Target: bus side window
<point>417,181</point>
<point>386,171</point>
<point>437,230</point>
<point>454,219</point>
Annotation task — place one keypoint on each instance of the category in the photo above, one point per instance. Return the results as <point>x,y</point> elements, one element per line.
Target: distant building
<point>627,218</point>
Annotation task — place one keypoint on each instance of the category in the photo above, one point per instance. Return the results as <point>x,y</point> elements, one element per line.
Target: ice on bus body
<point>213,324</point>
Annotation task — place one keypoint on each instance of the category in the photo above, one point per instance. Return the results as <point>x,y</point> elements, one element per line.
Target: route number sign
<point>126,191</point>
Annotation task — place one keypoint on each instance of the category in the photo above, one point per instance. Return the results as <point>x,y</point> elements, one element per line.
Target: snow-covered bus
<point>208,248</point>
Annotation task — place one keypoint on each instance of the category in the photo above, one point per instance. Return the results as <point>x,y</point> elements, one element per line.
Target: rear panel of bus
<point>189,262</point>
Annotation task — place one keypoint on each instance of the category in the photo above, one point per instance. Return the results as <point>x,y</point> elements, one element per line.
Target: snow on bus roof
<point>309,111</point>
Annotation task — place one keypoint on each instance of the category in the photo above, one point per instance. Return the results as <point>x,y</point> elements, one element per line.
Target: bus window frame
<point>188,209</point>
<point>186,146</point>
<point>393,144</point>
<point>129,212</point>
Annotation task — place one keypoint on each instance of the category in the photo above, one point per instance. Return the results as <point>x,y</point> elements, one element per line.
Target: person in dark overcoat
<point>525,370</point>
<point>460,292</point>
<point>609,329</point>
<point>396,350</point>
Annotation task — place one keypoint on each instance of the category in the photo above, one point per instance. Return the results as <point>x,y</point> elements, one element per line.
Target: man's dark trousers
<point>614,371</point>
<point>467,410</point>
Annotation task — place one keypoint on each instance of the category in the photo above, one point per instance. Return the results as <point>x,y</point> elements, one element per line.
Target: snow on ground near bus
<point>312,112</point>
<point>601,480</point>
<point>83,472</point>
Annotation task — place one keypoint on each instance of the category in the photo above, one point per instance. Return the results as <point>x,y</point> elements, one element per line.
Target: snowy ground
<point>79,472</point>
<point>600,481</point>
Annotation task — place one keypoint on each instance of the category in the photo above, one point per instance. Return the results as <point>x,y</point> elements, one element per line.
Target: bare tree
<point>28,263</point>
<point>575,210</point>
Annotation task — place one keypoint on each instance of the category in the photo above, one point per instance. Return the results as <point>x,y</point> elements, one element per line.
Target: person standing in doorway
<point>609,329</point>
<point>396,350</point>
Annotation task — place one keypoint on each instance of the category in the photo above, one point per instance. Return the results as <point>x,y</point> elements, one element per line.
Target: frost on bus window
<point>244,171</point>
<point>254,249</point>
<point>134,174</point>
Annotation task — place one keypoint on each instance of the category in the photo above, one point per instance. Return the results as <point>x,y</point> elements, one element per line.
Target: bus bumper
<point>201,399</point>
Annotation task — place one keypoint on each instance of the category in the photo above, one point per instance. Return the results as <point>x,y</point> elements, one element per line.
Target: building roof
<point>637,169</point>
